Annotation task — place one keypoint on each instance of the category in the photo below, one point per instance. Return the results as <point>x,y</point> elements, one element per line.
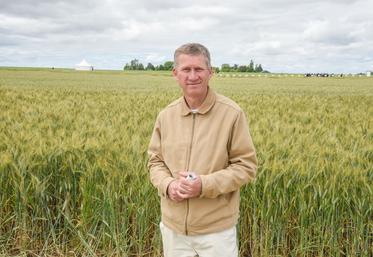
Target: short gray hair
<point>193,49</point>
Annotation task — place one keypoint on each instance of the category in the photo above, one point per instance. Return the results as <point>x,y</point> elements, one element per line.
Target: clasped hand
<point>182,188</point>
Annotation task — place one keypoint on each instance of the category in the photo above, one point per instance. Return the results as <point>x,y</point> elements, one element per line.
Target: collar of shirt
<point>206,106</point>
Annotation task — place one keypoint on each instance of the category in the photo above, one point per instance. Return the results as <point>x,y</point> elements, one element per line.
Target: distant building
<point>369,73</point>
<point>84,65</point>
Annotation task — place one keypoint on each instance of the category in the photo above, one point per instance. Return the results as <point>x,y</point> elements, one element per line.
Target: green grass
<point>73,174</point>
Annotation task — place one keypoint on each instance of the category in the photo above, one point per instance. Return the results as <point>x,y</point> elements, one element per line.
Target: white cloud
<point>328,32</point>
<point>284,36</point>
<point>155,58</point>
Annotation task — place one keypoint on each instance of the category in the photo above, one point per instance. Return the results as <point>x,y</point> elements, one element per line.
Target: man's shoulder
<point>227,102</point>
<point>173,106</point>
<point>174,103</point>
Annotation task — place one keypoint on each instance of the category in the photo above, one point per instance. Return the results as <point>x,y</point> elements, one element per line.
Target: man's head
<point>192,69</point>
<point>192,49</point>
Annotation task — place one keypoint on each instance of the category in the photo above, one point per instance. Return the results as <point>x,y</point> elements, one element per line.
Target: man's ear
<point>211,71</point>
<point>174,73</point>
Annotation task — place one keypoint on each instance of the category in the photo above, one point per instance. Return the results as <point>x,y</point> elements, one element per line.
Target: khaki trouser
<point>218,244</point>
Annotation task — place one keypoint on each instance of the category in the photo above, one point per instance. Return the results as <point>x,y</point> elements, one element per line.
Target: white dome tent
<point>83,65</point>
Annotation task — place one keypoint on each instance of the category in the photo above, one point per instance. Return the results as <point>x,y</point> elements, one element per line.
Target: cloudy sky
<point>282,35</point>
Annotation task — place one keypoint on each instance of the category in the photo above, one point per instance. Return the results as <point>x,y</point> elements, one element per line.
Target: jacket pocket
<point>208,211</point>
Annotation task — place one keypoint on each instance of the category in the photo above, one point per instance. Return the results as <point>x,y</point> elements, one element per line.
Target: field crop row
<point>73,173</point>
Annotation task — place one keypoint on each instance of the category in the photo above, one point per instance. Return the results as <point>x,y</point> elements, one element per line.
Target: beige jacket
<point>216,144</point>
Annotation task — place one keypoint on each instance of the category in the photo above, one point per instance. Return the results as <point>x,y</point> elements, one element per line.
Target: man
<point>200,154</point>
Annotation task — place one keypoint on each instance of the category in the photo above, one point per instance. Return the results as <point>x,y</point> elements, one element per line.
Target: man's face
<point>192,74</point>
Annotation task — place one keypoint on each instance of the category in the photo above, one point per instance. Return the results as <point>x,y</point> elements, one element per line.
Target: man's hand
<point>188,188</point>
<point>172,191</point>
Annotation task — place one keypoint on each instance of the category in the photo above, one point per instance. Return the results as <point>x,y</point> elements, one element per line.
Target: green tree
<point>251,66</point>
<point>159,67</point>
<point>169,65</point>
<point>242,68</point>
<point>225,67</point>
<point>134,64</point>
<point>126,67</point>
<point>258,68</point>
<point>150,66</point>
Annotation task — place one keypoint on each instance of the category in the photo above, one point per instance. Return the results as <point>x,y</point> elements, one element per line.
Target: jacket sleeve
<point>242,163</point>
<point>160,175</point>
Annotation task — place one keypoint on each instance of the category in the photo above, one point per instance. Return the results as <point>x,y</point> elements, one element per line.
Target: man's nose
<point>193,75</point>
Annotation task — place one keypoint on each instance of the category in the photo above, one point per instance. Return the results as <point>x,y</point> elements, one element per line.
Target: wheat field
<point>74,182</point>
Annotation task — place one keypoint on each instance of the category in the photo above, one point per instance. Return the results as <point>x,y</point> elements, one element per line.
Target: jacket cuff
<point>205,186</point>
<point>164,186</point>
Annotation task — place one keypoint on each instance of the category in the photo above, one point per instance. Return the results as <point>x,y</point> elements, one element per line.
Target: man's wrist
<point>165,185</point>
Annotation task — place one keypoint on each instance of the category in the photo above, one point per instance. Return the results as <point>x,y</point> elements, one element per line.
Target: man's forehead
<point>194,56</point>
<point>193,60</point>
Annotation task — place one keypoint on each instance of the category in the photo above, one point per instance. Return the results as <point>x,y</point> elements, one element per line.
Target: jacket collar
<point>206,106</point>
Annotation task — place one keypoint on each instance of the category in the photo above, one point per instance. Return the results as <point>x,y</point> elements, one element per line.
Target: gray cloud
<point>284,36</point>
<point>45,8</point>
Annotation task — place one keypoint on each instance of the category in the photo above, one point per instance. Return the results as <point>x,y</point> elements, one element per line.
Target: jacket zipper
<point>187,168</point>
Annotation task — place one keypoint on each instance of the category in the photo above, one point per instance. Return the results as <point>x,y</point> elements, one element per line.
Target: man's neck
<point>195,102</point>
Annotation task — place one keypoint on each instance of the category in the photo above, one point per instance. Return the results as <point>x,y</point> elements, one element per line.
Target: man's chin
<point>194,86</point>
<point>194,92</point>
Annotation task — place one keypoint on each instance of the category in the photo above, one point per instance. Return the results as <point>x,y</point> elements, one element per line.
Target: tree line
<point>251,67</point>
<point>135,64</point>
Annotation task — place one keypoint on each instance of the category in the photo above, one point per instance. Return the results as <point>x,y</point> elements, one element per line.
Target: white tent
<point>83,65</point>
